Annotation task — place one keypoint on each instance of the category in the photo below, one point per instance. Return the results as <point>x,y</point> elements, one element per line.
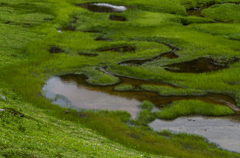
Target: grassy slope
<point>26,64</point>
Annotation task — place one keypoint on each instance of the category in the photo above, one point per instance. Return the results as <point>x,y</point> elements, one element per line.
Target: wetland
<point>158,77</point>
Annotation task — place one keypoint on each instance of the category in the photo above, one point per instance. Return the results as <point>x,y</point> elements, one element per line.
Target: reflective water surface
<point>102,7</point>
<point>223,131</point>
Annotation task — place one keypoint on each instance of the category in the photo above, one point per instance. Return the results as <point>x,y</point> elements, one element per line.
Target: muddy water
<point>199,65</point>
<point>102,7</point>
<point>197,11</point>
<point>223,131</point>
<point>81,94</point>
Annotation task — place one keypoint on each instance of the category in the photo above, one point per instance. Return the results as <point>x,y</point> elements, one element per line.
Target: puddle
<point>223,131</point>
<point>76,91</point>
<point>119,49</point>
<point>197,11</point>
<point>88,54</point>
<point>199,65</point>
<point>102,7</point>
<point>117,18</point>
<point>54,49</point>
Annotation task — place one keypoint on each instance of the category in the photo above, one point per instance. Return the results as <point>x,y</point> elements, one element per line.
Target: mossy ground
<point>28,29</point>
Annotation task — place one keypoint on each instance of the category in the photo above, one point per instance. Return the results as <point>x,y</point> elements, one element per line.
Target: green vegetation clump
<point>229,31</point>
<point>193,107</point>
<point>170,91</point>
<point>124,87</point>
<point>226,12</point>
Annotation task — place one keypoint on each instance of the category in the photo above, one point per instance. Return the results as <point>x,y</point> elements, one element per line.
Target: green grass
<point>223,12</point>
<point>169,91</point>
<point>192,107</point>
<point>124,87</point>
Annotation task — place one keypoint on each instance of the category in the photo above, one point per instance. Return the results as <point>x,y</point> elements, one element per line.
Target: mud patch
<point>199,65</point>
<point>102,7</point>
<point>54,49</point>
<point>117,18</point>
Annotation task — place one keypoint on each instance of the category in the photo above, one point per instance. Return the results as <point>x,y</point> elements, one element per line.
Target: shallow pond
<point>78,92</point>
<point>73,90</point>
<point>102,7</point>
<point>222,131</point>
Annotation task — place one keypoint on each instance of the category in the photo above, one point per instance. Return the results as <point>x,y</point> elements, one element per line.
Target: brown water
<point>224,131</point>
<point>79,93</point>
<point>197,11</point>
<point>199,65</point>
<point>102,7</point>
<point>117,18</point>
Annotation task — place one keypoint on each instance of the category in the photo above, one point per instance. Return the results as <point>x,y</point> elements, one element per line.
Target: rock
<point>3,97</point>
<point>2,110</point>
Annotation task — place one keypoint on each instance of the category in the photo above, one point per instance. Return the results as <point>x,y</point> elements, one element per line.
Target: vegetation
<point>193,107</point>
<point>124,87</point>
<point>30,29</point>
